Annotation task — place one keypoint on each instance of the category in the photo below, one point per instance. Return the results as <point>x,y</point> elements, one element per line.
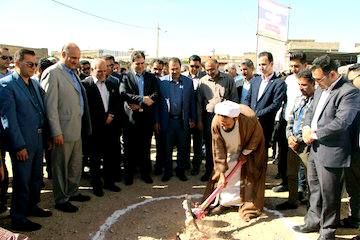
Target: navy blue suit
<point>176,129</point>
<point>25,115</point>
<point>268,104</point>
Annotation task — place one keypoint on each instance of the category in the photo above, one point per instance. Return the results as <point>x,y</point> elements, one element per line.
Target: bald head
<point>98,69</point>
<point>70,55</point>
<point>212,68</point>
<point>69,46</point>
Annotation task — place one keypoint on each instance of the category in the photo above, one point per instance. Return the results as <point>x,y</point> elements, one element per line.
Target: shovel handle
<point>212,196</point>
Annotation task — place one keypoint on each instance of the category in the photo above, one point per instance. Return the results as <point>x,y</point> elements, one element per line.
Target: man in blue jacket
<point>22,113</point>
<point>175,117</point>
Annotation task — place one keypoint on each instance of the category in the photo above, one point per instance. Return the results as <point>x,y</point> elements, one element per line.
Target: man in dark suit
<point>266,94</point>
<point>111,75</point>
<point>139,90</point>
<point>22,113</point>
<point>195,73</point>
<point>327,129</point>
<point>103,99</point>
<point>175,117</point>
<point>352,174</point>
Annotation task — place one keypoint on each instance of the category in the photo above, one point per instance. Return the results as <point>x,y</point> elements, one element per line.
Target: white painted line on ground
<point>288,223</point>
<point>100,234</point>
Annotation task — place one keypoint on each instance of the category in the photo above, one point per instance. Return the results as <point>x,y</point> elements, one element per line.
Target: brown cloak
<point>253,172</point>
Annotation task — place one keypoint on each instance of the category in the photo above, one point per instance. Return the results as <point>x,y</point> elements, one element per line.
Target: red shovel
<point>199,212</point>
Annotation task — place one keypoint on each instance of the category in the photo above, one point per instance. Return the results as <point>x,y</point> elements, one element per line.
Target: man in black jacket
<point>139,90</point>
<point>103,98</point>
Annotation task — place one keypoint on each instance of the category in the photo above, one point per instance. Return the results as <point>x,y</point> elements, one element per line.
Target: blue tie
<point>78,89</point>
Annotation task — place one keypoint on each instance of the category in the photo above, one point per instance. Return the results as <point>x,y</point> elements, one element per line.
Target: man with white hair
<point>231,69</point>
<point>237,136</point>
<point>104,105</point>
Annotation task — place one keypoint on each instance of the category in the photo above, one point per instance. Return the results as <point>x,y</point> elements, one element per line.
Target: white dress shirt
<point>292,92</point>
<point>321,104</point>
<point>264,82</point>
<point>103,92</point>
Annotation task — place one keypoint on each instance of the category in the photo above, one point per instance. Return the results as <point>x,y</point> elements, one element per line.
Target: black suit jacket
<point>129,92</point>
<point>268,104</point>
<point>98,115</point>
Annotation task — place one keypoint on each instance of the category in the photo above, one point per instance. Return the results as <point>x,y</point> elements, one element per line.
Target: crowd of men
<point>73,112</point>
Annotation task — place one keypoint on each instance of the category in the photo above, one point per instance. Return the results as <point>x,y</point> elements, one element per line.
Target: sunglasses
<point>157,69</point>
<point>87,68</point>
<point>31,64</point>
<point>194,66</point>
<point>7,57</point>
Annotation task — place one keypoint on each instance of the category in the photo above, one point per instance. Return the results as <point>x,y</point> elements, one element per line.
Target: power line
<point>100,17</point>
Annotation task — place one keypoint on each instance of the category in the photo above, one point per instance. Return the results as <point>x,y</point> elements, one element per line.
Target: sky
<point>187,26</point>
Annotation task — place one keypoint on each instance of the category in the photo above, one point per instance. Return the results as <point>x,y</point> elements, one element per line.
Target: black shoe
<point>166,177</point>
<point>66,207</point>
<point>39,212</point>
<point>182,176</point>
<point>98,191</point>
<point>194,172</point>
<point>25,226</point>
<point>112,187</point>
<point>326,238</point>
<point>128,181</point>
<point>306,229</point>
<point>205,177</point>
<point>158,171</point>
<point>218,210</point>
<point>3,208</point>
<point>286,206</point>
<point>280,188</point>
<point>80,198</point>
<point>118,178</point>
<point>147,179</point>
<point>277,176</point>
<point>356,238</point>
<point>349,223</point>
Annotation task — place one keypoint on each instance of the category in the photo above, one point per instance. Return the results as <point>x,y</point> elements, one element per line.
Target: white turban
<point>227,108</point>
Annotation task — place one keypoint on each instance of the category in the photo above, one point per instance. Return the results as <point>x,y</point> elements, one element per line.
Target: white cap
<point>227,108</point>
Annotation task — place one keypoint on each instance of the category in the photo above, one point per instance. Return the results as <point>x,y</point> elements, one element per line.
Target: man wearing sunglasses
<point>84,69</point>
<point>5,60</point>
<point>22,113</point>
<point>195,74</point>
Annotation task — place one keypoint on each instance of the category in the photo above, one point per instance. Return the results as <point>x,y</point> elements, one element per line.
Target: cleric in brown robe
<point>237,136</point>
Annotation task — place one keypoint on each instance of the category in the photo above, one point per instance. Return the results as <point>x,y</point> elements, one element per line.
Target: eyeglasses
<point>31,64</point>
<point>6,58</point>
<point>320,79</point>
<point>157,69</point>
<point>194,66</point>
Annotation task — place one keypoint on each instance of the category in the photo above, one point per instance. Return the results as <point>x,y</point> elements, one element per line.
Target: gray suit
<point>62,102</point>
<point>330,154</point>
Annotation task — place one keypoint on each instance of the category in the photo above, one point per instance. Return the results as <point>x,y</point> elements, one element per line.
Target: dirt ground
<point>154,211</point>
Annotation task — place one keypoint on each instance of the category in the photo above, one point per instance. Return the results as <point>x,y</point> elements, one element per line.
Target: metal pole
<point>157,41</point>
